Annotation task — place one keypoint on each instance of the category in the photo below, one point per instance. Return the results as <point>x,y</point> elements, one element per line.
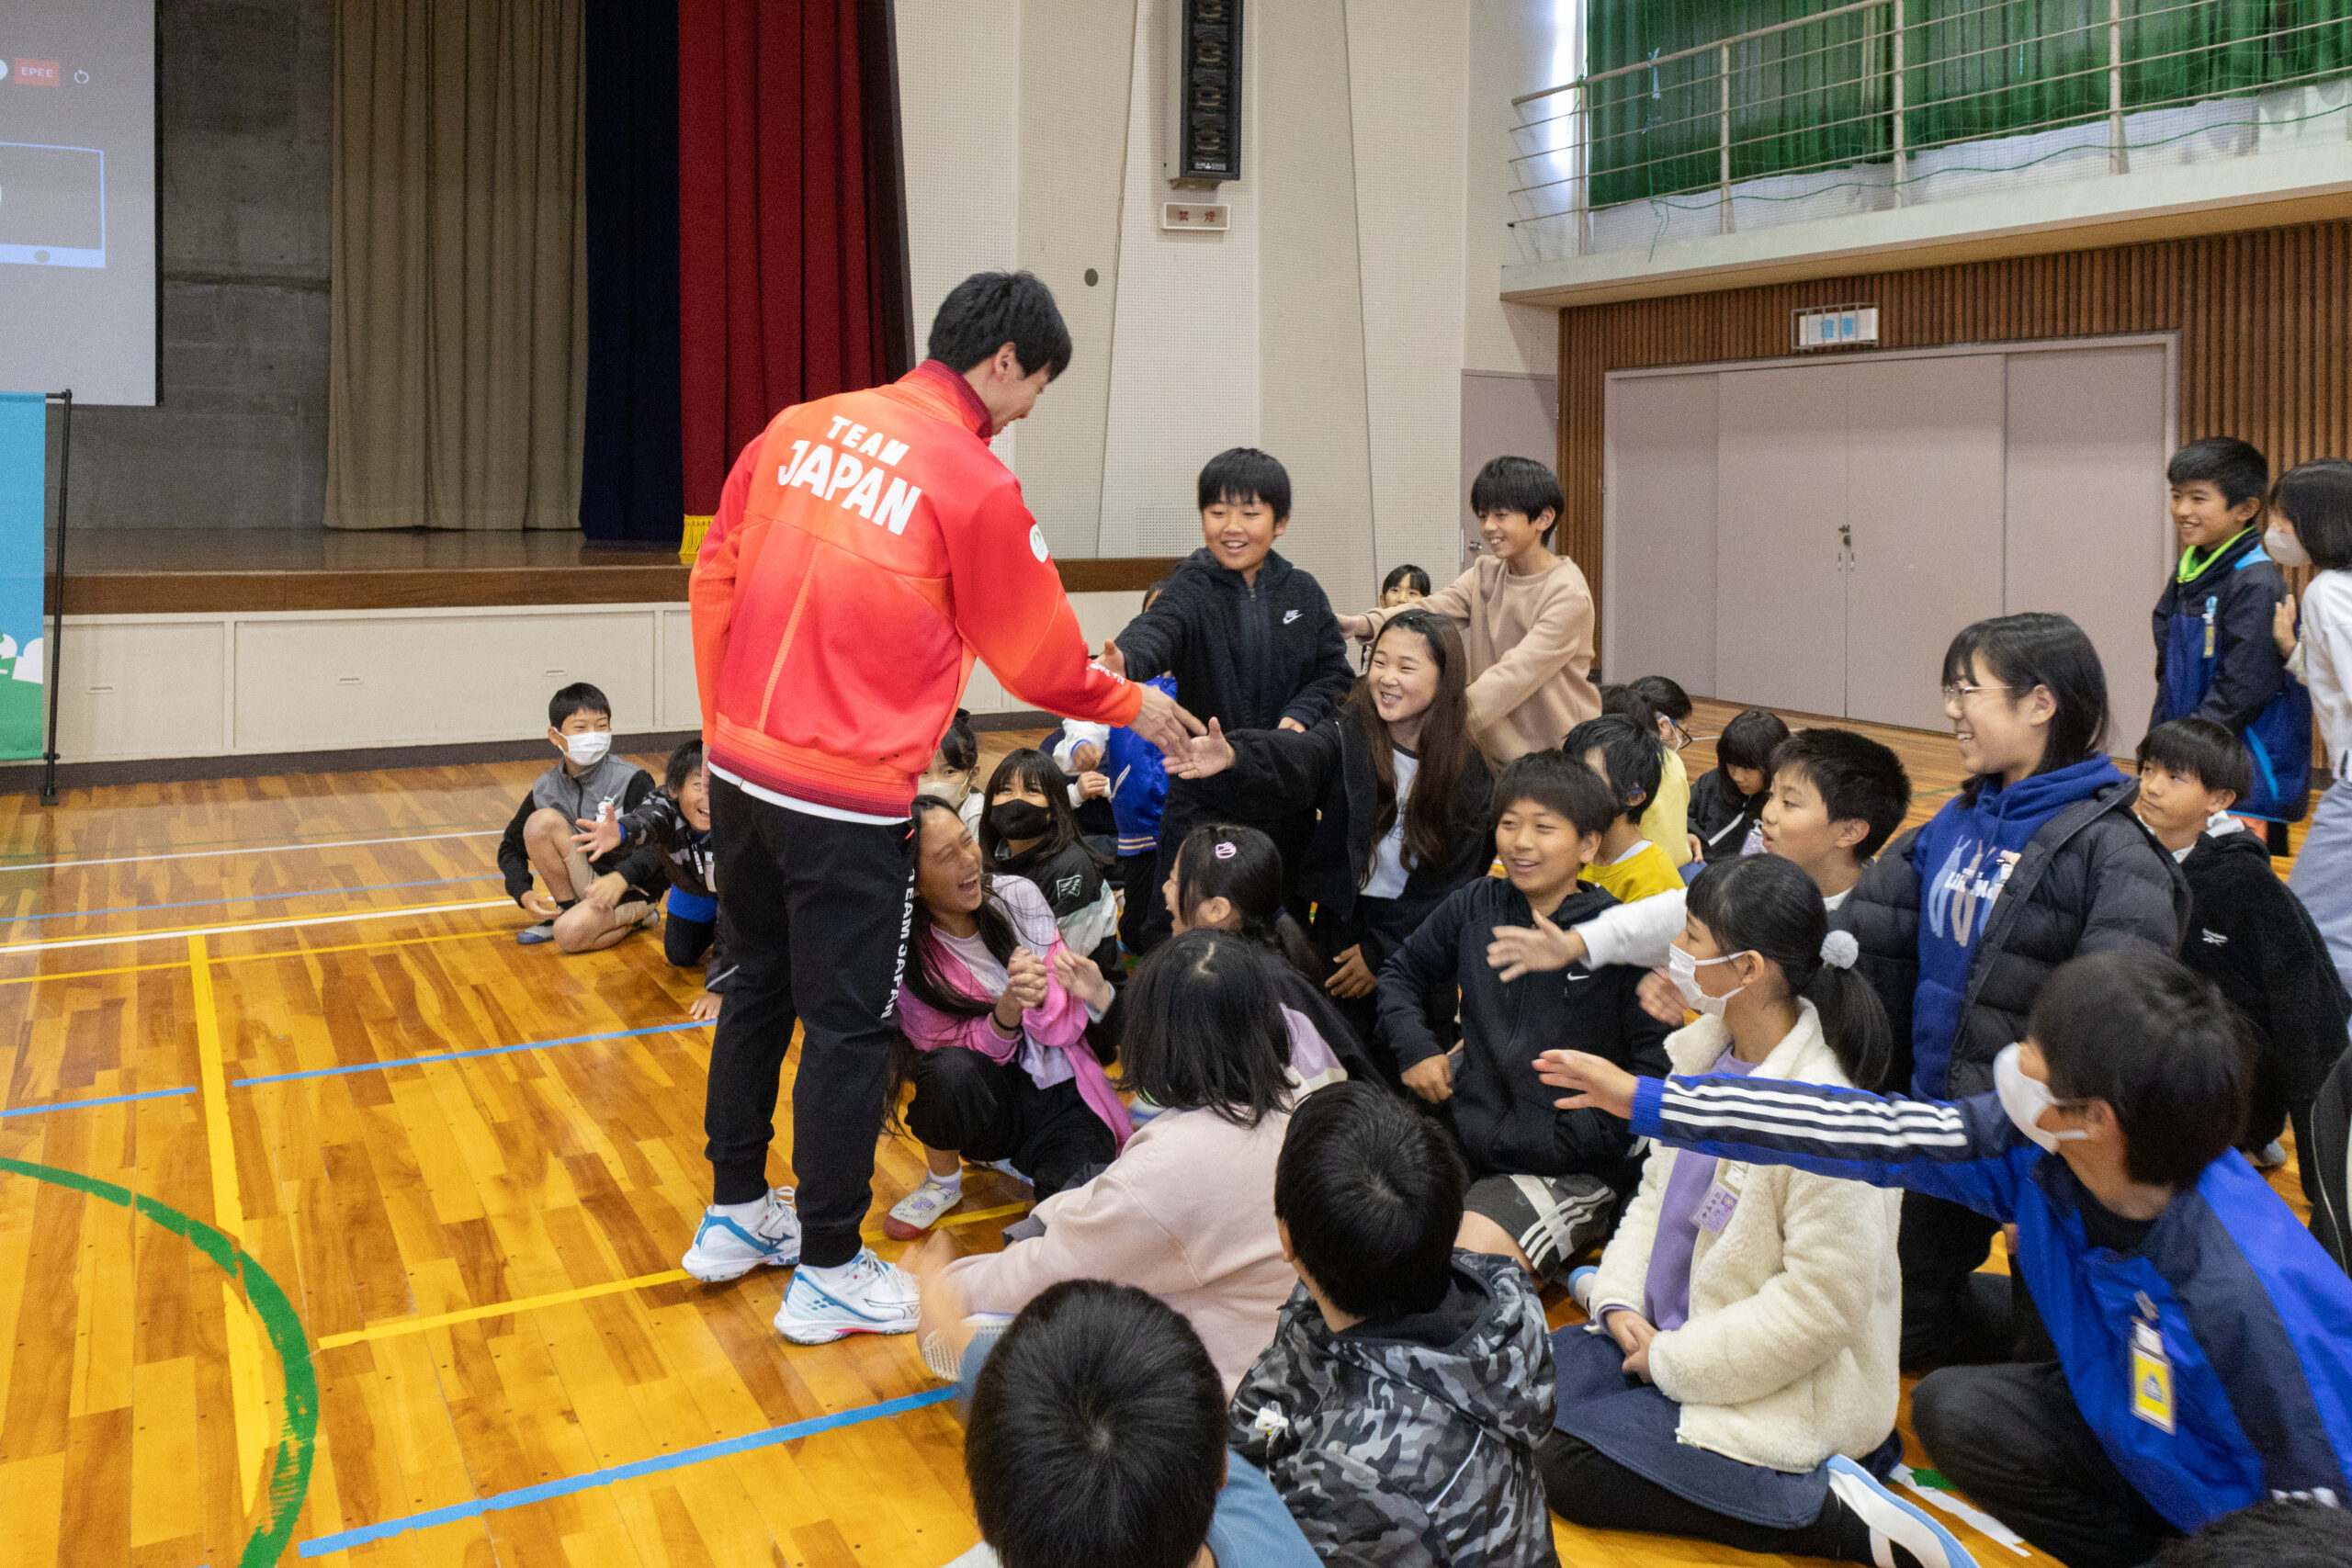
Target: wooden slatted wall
<point>2263,317</point>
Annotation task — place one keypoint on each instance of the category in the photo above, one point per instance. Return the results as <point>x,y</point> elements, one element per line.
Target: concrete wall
<point>238,438</point>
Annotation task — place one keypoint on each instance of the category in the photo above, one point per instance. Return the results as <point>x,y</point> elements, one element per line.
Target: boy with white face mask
<point>2199,1330</point>
<point>617,890</point>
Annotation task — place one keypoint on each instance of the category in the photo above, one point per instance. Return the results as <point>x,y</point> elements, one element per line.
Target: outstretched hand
<point>600,836</point>
<point>1112,659</point>
<point>1356,626</point>
<point>1521,950</point>
<point>1596,1083</point>
<point>1203,756</point>
<point>1162,720</point>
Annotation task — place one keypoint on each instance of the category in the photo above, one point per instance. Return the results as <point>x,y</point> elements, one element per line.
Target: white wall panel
<point>134,687</point>
<point>1780,495</point>
<point>957,59</point>
<point>1659,521</point>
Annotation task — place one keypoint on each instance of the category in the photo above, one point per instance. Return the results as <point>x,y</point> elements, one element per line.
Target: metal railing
<point>1553,171</point>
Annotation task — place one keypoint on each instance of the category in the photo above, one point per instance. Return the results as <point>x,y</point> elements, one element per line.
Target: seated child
<point>1526,616</point>
<point>675,822</point>
<point>2247,934</point>
<point>954,775</point>
<point>1097,1436</point>
<point>1745,1322</point>
<point>1623,753</point>
<point>1186,1211</point>
<point>1545,1185</point>
<point>1231,879</point>
<point>1030,831</point>
<point>1397,1409</point>
<point>994,1047</point>
<point>1727,801</point>
<point>1662,704</point>
<point>587,903</point>
<point>1402,586</point>
<point>2199,1329</point>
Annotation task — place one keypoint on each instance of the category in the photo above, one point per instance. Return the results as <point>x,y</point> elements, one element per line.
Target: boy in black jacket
<point>2247,933</point>
<point>1550,814</point>
<point>1251,641</point>
<point>675,825</point>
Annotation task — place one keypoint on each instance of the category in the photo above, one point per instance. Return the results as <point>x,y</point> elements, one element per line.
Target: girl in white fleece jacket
<point>1747,1319</point>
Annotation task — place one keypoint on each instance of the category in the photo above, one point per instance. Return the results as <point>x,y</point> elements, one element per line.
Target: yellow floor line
<point>399,1326</point>
<point>229,1218</point>
<point>976,1215</point>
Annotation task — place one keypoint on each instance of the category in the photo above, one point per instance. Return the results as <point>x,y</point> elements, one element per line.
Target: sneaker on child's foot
<point>725,1249</point>
<point>531,936</point>
<point>1007,1167</point>
<point>1902,1535</point>
<point>1580,1286</point>
<point>2269,1157</point>
<point>920,1209</point>
<point>865,1295</point>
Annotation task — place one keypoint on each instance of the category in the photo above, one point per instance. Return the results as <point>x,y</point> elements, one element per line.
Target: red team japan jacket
<point>866,549</point>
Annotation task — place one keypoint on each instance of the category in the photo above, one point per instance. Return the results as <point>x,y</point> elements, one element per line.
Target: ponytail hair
<point>1764,905</point>
<point>1242,867</point>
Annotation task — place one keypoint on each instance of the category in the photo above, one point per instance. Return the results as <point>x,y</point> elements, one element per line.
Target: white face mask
<point>952,791</point>
<point>2282,546</point>
<point>1685,969</point>
<point>588,748</point>
<point>2026,1098</point>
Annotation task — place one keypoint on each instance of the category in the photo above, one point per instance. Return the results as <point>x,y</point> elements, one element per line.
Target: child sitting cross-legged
<point>1727,800</point>
<point>1627,754</point>
<point>1398,1408</point>
<point>1544,1184</point>
<point>2199,1329</point>
<point>581,905</point>
<point>1747,1319</point>
<point>674,823</point>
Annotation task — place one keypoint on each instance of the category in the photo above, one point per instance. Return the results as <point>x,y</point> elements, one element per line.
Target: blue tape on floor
<point>247,898</point>
<point>109,1099</point>
<point>523,1496</point>
<point>465,1055</point>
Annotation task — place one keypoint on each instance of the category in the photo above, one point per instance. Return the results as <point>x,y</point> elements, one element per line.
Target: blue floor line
<point>109,1099</point>
<point>465,1055</point>
<point>245,898</point>
<point>523,1496</point>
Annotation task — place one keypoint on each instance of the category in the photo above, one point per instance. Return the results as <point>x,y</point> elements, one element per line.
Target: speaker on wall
<point>1204,100</point>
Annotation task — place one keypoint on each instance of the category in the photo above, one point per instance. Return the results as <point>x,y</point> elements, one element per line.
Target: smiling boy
<point>1525,615</point>
<point>589,783</point>
<point>1251,642</point>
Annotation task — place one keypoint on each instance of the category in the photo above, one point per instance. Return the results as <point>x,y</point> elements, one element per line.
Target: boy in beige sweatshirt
<point>1525,615</point>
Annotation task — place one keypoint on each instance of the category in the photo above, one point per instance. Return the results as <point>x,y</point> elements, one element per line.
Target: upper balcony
<point>1913,132</point>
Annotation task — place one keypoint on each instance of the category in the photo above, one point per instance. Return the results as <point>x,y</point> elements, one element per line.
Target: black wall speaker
<point>1205,133</point>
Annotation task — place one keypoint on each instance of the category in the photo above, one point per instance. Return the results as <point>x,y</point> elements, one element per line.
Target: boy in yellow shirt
<point>1631,757</point>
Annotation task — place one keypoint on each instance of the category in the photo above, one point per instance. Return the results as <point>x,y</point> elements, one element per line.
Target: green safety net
<point>1819,95</point>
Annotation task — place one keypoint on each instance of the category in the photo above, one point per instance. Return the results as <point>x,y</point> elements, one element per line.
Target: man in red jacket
<point>867,548</point>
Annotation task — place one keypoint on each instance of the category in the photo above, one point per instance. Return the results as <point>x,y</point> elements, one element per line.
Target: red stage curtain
<point>783,291</point>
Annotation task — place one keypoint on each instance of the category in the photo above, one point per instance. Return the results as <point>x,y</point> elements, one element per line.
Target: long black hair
<point>1032,767</point>
<point>1203,1030</point>
<point>1242,867</point>
<point>1444,748</point>
<point>2040,648</point>
<point>1764,905</point>
<point>925,977</point>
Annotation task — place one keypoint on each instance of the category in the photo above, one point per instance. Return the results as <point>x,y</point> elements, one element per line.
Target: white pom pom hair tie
<point>1838,950</point>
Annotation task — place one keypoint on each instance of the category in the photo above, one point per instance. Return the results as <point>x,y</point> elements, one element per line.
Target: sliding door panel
<point>1658,522</point>
<point>1780,500</point>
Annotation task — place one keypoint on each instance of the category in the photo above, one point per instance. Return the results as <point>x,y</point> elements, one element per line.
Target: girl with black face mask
<point>1029,831</point>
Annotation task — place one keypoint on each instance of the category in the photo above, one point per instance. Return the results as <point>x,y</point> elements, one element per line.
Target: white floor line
<point>16,947</point>
<point>265,850</point>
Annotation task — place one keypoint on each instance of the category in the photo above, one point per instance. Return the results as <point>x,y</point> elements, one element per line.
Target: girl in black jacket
<point>1961,920</point>
<point>1405,799</point>
<point>1029,831</point>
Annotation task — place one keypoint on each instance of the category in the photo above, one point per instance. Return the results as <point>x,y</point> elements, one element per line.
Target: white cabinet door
<point>1780,501</point>
<point>1658,570</point>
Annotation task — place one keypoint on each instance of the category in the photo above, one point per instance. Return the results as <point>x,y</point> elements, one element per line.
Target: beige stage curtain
<point>459,373</point>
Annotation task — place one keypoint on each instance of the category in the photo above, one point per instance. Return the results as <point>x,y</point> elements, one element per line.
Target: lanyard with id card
<point>1723,1196</point>
<point>2151,1370</point>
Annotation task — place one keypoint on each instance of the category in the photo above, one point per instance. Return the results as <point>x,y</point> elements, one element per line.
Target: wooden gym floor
<point>334,1225</point>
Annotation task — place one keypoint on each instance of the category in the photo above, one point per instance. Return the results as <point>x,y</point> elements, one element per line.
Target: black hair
<point>2180,1092</point>
<point>1032,767</point>
<point>681,766</point>
<point>2040,648</point>
<point>1666,696</point>
<point>2200,749</point>
<point>924,976</point>
<point>2278,1532</point>
<point>1445,745</point>
<point>1242,867</point>
<point>1628,701</point>
<point>1097,1433</point>
<point>1632,758</point>
<point>2239,471</point>
<point>960,748</point>
<point>1410,576</point>
<point>578,697</point>
<point>1518,484</point>
<point>1859,780</point>
<point>1563,786</point>
<point>988,310</point>
<point>2315,498</point>
<point>1370,1193</point>
<point>1749,740</point>
<point>1203,1029</point>
<point>1764,905</point>
<point>1239,475</point>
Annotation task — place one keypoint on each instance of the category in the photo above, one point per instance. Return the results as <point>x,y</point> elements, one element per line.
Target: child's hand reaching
<point>1024,979</point>
<point>1082,979</point>
<point>1092,785</point>
<point>1204,755</point>
<point>1112,659</point>
<point>600,836</point>
<point>1356,626</point>
<point>1430,1078</point>
<point>1521,950</point>
<point>1660,1000</point>
<point>1086,757</point>
<point>1596,1083</point>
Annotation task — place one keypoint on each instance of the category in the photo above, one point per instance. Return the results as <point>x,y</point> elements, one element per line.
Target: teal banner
<point>24,508</point>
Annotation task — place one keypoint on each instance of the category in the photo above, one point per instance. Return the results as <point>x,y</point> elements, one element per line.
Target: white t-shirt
<point>1046,1068</point>
<point>1388,855</point>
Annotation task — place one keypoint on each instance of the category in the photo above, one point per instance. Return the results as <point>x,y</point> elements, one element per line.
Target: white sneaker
<point>725,1250</point>
<point>865,1295</point>
<point>1902,1535</point>
<point>920,1209</point>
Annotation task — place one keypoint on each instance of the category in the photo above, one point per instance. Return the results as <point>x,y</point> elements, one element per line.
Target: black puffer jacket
<point>2091,880</point>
